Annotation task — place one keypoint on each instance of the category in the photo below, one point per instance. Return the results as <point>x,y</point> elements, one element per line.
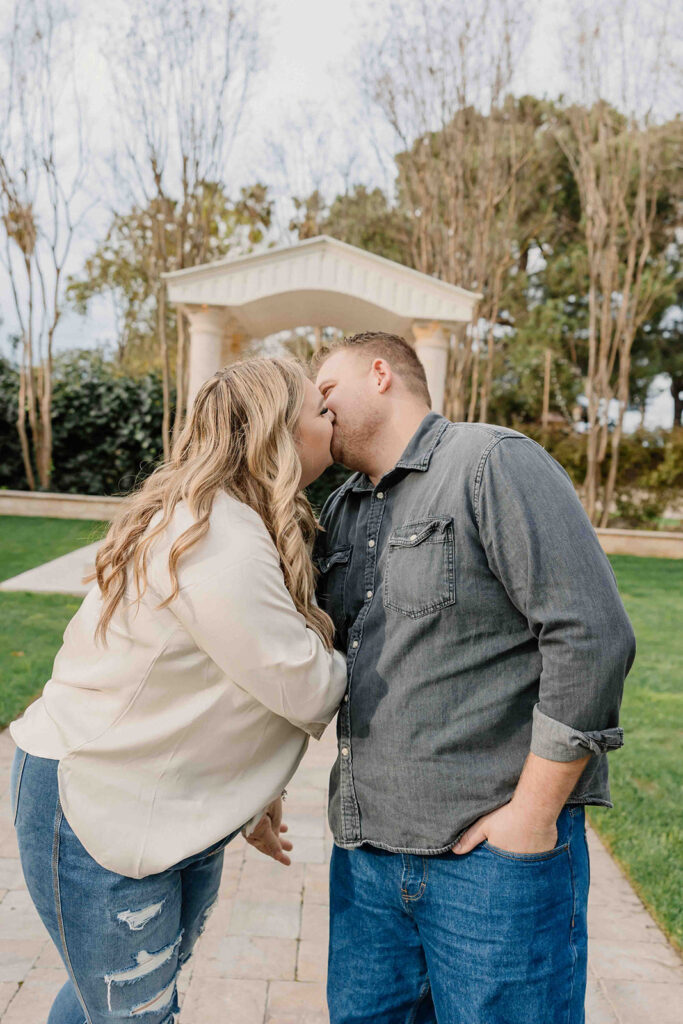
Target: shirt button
<point>380,495</point>
<point>369,594</point>
<point>355,643</point>
<point>345,751</point>
<point>346,698</point>
<point>371,543</point>
<point>413,536</point>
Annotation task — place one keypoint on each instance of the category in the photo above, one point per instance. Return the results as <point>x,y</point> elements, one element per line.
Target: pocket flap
<point>325,562</point>
<point>411,534</point>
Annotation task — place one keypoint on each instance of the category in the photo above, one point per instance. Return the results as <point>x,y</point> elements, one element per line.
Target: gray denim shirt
<point>481,620</point>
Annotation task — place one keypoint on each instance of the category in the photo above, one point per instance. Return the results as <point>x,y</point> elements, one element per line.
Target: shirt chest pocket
<point>419,575</point>
<point>333,569</point>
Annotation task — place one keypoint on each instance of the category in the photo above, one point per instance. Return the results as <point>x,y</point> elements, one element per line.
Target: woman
<point>182,698</point>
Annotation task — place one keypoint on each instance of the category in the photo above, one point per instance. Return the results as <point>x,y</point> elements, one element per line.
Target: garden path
<point>60,576</point>
<point>262,957</point>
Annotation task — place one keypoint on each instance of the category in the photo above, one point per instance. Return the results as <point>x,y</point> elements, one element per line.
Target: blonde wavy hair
<point>239,438</point>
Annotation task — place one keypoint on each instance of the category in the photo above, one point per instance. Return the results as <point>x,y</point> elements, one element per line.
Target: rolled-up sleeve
<point>243,616</point>
<point>542,547</point>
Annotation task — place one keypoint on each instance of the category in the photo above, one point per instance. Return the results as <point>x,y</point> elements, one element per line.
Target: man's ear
<point>382,375</point>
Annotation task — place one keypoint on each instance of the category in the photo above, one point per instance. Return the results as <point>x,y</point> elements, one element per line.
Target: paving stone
<point>635,961</point>
<point>33,1000</point>
<point>214,930</point>
<point>8,989</point>
<point>317,777</point>
<point>598,1008</point>
<point>308,851</point>
<point>254,957</point>
<point>296,1002</point>
<point>18,916</point>
<point>311,964</point>
<point>303,798</point>
<point>317,883</point>
<point>315,923</point>
<point>309,825</point>
<point>638,1002</point>
<point>271,914</point>
<point>11,875</point>
<point>623,923</point>
<point>18,956</point>
<point>49,956</point>
<point>268,874</point>
<point>8,846</point>
<point>214,1000</point>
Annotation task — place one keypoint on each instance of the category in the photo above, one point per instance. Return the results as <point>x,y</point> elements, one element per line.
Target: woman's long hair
<point>239,438</point>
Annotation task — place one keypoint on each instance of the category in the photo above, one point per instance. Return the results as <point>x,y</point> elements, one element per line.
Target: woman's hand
<point>266,835</point>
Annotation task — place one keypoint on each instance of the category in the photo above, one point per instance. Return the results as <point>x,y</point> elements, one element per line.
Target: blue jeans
<point>489,937</point>
<point>122,939</point>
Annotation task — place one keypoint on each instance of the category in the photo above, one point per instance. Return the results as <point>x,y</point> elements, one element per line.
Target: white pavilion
<point>320,282</point>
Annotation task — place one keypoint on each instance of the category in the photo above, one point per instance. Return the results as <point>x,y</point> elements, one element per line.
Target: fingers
<point>269,843</point>
<point>468,840</point>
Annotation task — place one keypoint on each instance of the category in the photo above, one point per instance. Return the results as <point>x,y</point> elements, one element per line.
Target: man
<point>487,649</point>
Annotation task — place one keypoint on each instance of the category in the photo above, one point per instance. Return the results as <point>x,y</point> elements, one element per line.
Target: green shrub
<point>106,426</point>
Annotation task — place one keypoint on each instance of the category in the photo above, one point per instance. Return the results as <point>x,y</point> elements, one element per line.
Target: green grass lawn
<point>31,625</point>
<point>31,628</point>
<point>644,831</point>
<point>27,541</point>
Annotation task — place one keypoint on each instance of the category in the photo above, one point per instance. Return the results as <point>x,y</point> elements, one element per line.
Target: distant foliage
<point>649,476</point>
<point>107,426</point>
<point>11,465</point>
<point>107,439</point>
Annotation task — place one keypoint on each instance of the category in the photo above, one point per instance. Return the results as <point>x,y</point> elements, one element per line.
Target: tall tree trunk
<point>180,375</point>
<point>677,393</point>
<point>546,389</point>
<point>21,429</point>
<point>165,369</point>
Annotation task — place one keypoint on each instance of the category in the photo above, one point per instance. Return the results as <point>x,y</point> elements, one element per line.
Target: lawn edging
<point>59,506</point>
<point>643,543</point>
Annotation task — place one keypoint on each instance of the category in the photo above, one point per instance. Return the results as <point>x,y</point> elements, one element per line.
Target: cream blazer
<point>193,717</point>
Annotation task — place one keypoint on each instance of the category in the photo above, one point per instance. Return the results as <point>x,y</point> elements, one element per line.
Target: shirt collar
<point>418,452</point>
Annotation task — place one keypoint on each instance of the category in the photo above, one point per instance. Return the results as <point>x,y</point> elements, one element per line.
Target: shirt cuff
<point>556,741</point>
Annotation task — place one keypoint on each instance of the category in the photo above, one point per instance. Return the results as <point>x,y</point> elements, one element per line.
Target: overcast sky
<point>310,51</point>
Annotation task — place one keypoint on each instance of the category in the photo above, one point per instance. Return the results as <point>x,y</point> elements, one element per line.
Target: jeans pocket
<point>18,763</point>
<point>419,577</point>
<point>526,858</point>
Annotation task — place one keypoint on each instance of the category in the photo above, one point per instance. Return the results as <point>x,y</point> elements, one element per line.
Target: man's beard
<point>350,445</point>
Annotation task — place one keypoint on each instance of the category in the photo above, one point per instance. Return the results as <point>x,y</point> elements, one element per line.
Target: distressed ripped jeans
<point>122,940</point>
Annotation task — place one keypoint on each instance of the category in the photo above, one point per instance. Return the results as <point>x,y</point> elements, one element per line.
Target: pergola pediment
<point>320,282</point>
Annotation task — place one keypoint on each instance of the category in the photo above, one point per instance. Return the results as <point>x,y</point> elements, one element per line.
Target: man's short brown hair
<point>401,356</point>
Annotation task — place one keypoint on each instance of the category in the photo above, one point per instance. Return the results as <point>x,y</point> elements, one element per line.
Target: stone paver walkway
<point>60,576</point>
<point>262,957</point>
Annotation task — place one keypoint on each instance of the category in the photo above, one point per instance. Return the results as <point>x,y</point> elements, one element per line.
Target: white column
<point>207,343</point>
<point>432,345</point>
